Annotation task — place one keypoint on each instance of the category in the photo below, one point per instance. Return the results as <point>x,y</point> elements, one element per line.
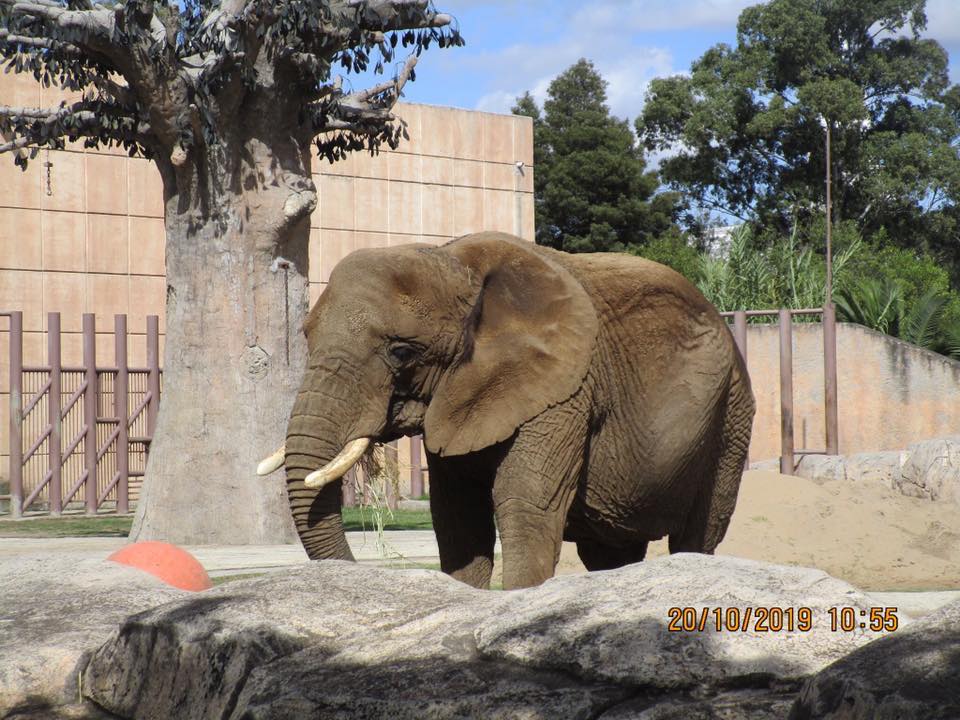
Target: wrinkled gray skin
<point>597,398</point>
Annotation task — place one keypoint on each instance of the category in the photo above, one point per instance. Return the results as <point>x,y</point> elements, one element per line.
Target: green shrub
<point>673,250</point>
<point>786,274</point>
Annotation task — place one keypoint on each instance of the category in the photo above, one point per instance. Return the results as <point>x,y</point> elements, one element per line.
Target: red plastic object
<point>172,564</point>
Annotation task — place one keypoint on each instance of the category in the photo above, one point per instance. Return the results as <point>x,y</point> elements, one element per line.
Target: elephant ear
<point>527,345</point>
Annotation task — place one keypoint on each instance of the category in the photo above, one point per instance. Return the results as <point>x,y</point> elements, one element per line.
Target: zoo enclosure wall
<point>889,393</point>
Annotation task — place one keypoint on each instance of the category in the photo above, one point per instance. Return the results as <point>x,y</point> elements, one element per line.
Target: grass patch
<point>68,526</point>
<point>119,525</point>
<point>354,519</point>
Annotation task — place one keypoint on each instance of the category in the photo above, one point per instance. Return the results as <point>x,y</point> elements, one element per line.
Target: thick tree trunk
<point>237,295</point>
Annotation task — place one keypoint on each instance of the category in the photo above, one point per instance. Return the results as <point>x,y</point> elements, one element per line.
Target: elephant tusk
<point>336,468</point>
<point>274,462</point>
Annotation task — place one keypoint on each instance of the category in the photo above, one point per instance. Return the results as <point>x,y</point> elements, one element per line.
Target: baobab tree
<point>227,99</point>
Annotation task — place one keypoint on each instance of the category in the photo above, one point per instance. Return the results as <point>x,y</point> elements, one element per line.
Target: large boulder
<point>338,640</point>
<point>616,626</point>
<point>913,673</point>
<point>871,468</point>
<point>54,612</point>
<point>929,470</point>
<point>820,468</point>
<point>932,470</point>
<point>330,639</point>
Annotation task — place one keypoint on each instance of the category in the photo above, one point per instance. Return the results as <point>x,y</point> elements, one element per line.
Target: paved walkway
<point>418,547</point>
<point>413,546</point>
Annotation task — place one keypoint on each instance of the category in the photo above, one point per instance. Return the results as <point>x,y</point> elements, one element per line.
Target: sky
<point>518,45</point>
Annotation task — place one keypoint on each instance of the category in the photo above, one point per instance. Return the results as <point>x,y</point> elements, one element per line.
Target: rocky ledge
<point>339,640</point>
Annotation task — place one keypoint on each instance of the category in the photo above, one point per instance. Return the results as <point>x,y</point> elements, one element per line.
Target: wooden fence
<point>80,434</point>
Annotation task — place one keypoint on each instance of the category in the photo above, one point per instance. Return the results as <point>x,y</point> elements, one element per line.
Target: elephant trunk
<point>312,443</point>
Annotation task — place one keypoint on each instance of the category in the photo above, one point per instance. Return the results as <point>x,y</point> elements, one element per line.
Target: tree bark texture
<point>237,296</point>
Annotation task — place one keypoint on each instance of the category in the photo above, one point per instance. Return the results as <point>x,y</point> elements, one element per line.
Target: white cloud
<point>627,74</point>
<point>653,15</point>
<point>626,67</point>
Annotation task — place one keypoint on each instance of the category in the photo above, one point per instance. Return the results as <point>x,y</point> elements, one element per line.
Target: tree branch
<point>357,111</point>
<point>97,24</point>
<point>387,15</point>
<point>8,112</point>
<point>61,48</point>
<point>37,125</point>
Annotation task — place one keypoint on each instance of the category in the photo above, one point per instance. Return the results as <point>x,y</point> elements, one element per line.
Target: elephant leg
<point>597,556</point>
<point>462,510</point>
<point>734,446</point>
<point>532,494</point>
<point>711,514</point>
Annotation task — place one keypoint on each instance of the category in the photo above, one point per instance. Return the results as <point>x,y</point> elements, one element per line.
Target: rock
<point>75,711</point>
<point>615,626</point>
<point>769,704</point>
<point>913,673</point>
<point>54,612</point>
<point>876,468</point>
<point>821,468</point>
<point>340,640</point>
<point>332,639</point>
<point>932,470</point>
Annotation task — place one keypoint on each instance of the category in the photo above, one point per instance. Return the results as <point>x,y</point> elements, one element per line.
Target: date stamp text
<point>773,619</point>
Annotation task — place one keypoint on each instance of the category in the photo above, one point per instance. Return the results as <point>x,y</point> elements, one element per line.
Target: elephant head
<point>462,343</point>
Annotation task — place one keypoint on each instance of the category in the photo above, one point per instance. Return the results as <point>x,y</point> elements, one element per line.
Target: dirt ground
<point>872,537</point>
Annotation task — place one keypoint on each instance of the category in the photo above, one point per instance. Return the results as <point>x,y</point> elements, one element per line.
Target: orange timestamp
<point>779,619</point>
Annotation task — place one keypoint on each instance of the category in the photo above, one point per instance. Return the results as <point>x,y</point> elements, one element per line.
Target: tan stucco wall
<point>889,393</point>
<point>87,233</point>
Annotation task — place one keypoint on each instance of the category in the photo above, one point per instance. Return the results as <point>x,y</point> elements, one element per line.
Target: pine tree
<point>592,190</point>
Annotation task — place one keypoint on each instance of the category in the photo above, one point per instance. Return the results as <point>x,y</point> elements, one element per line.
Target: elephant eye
<point>402,353</point>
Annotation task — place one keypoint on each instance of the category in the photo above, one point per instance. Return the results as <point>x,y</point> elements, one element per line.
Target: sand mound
<point>870,536</point>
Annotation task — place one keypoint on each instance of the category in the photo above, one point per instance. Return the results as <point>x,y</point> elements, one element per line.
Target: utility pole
<point>831,419</point>
<point>829,293</point>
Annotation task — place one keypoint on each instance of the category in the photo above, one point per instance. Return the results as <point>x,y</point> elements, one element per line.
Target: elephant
<point>597,398</point>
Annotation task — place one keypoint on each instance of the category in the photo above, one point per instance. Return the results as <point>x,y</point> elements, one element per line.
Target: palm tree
<point>879,304</point>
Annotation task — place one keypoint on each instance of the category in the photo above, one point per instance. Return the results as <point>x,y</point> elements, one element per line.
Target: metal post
<point>153,378</point>
<point>54,445</point>
<point>786,393</point>
<point>740,337</point>
<point>829,288</point>
<point>121,411</point>
<point>518,200</point>
<point>740,332</point>
<point>416,469</point>
<point>90,411</point>
<point>16,413</point>
<point>831,421</point>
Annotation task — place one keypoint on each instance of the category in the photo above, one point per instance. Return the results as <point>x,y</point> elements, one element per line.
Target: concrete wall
<point>890,393</point>
<point>86,233</point>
